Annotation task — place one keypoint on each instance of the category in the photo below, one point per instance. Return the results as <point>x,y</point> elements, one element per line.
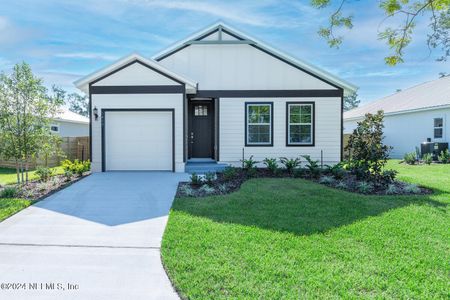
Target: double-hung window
<point>438,128</point>
<point>259,127</point>
<point>300,124</point>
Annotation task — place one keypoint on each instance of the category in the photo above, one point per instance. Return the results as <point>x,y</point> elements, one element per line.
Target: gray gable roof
<point>427,95</point>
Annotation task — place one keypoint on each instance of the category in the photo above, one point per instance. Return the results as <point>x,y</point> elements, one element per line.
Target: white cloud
<point>11,34</point>
<point>88,55</point>
<point>240,12</point>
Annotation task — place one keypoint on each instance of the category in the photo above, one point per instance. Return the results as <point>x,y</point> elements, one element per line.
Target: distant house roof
<point>66,115</point>
<point>428,95</point>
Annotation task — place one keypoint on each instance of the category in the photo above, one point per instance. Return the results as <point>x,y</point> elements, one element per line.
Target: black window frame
<point>247,104</point>
<point>313,124</point>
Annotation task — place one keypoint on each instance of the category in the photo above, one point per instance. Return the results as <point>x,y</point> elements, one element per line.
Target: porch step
<point>204,167</point>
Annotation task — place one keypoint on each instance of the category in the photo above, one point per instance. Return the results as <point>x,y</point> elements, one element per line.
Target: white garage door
<point>138,140</point>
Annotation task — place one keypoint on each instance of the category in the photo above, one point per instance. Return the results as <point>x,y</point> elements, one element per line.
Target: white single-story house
<point>412,116</point>
<point>217,95</point>
<point>70,124</point>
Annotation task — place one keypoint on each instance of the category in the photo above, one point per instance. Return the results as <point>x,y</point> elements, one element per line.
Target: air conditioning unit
<point>434,148</point>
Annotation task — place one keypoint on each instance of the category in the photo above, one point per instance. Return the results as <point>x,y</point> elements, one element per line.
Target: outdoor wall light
<point>95,113</point>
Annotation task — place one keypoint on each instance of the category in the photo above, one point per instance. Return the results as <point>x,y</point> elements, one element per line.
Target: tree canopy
<point>406,13</point>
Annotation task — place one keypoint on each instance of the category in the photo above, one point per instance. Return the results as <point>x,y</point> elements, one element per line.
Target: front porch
<point>203,165</point>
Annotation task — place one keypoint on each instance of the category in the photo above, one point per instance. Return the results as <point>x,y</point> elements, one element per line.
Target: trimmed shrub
<point>271,164</point>
<point>392,189</point>
<point>367,152</point>
<point>76,167</point>
<point>9,192</point>
<point>364,187</point>
<point>195,179</point>
<point>187,190</point>
<point>313,166</point>
<point>249,163</point>
<point>341,185</point>
<point>328,180</point>
<point>410,158</point>
<point>207,189</point>
<point>444,157</point>
<point>411,188</point>
<point>44,173</point>
<point>229,173</point>
<point>68,175</point>
<point>427,158</point>
<point>210,177</point>
<point>290,164</point>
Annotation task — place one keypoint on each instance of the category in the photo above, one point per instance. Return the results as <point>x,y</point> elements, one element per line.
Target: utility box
<point>434,148</point>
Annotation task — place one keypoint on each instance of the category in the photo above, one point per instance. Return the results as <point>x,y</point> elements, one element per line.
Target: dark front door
<point>201,135</point>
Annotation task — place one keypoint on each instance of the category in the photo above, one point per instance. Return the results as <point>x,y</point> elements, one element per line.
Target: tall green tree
<point>25,115</point>
<point>77,103</point>
<point>407,13</point>
<point>351,101</point>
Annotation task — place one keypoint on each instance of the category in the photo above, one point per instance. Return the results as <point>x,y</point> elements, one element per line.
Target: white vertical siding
<point>239,67</point>
<point>138,101</point>
<point>405,132</point>
<point>327,130</point>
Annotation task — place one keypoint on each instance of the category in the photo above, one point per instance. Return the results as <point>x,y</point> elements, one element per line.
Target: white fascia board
<point>348,87</point>
<point>70,121</point>
<point>83,83</point>
<point>408,111</point>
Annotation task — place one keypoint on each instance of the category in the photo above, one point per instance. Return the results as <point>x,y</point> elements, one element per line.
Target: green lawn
<point>8,175</point>
<point>9,207</point>
<point>294,239</point>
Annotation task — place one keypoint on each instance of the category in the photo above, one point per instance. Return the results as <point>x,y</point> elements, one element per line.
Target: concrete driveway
<point>97,239</point>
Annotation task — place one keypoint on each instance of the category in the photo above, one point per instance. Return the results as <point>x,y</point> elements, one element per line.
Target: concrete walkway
<point>97,239</point>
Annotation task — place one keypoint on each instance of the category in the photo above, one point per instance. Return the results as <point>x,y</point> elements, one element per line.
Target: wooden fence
<point>72,147</point>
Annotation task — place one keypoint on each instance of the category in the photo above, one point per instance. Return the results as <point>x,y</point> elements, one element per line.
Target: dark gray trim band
<point>267,93</point>
<point>104,110</point>
<point>313,124</point>
<point>139,62</point>
<point>138,89</point>
<point>271,124</point>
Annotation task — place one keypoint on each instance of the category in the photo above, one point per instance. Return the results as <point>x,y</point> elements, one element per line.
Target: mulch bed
<point>349,182</point>
<point>37,190</point>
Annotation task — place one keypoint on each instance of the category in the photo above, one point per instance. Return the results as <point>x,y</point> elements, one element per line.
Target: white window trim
<point>247,125</point>
<point>443,128</point>
<point>289,143</point>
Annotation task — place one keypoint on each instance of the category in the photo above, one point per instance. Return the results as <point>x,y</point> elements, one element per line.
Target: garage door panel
<point>138,140</point>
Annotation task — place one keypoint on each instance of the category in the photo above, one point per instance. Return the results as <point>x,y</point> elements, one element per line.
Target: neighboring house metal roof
<point>66,115</point>
<point>428,95</point>
<point>83,83</point>
<point>196,37</point>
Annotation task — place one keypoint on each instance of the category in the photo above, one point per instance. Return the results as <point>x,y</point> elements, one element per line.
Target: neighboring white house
<point>70,124</point>
<point>214,95</point>
<point>411,116</point>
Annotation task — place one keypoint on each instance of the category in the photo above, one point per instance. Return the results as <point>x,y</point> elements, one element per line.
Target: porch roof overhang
<point>83,83</point>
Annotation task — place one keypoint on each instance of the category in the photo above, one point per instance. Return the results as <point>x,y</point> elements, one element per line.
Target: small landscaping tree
<point>367,153</point>
<point>25,114</point>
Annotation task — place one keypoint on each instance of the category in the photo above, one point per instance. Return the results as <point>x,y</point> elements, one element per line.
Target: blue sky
<point>65,40</point>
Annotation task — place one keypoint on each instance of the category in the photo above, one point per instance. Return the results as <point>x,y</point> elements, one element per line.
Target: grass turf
<point>9,206</point>
<point>294,239</point>
<point>8,175</point>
